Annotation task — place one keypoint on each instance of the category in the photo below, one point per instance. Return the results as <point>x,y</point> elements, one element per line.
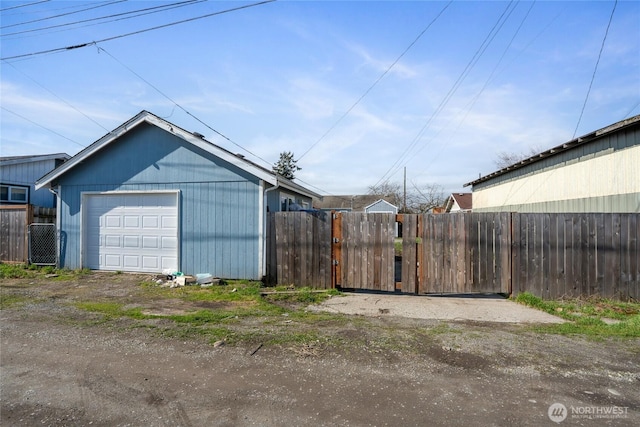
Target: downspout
<point>56,193</point>
<point>263,257</point>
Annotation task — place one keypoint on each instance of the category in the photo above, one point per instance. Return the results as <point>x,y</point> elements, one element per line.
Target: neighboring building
<point>458,202</point>
<point>597,172</point>
<point>150,196</point>
<point>352,203</point>
<point>381,206</point>
<point>18,175</point>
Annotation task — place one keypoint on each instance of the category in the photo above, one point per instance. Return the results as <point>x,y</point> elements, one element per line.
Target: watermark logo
<point>557,412</point>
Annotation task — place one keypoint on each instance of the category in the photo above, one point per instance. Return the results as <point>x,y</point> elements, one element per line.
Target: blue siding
<point>219,203</point>
<point>26,174</point>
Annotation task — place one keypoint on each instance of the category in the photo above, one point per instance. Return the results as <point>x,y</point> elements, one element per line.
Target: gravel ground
<point>60,366</point>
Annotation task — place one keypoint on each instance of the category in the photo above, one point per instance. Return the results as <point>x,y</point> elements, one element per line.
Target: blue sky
<point>357,90</point>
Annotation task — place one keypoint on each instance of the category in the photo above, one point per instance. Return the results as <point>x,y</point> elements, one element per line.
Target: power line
<point>346,113</point>
<point>78,46</point>
<point>52,93</point>
<point>43,127</point>
<point>122,15</point>
<point>472,62</point>
<point>491,77</point>
<point>23,5</point>
<point>60,15</point>
<point>181,107</point>
<point>593,76</point>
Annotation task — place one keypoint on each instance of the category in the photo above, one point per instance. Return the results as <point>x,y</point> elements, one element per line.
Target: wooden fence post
<point>336,249</point>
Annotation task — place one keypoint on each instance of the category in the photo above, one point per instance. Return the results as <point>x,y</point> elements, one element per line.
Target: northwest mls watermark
<point>558,412</point>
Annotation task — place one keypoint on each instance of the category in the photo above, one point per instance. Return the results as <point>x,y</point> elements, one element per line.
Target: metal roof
<point>15,160</point>
<point>585,139</point>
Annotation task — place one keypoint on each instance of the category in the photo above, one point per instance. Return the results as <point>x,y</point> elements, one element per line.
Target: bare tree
<point>390,191</point>
<point>425,198</point>
<point>420,199</point>
<point>508,158</point>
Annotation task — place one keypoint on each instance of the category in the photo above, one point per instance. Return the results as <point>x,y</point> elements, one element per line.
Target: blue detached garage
<point>150,196</point>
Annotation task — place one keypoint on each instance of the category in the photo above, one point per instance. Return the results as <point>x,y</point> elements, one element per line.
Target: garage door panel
<point>112,221</point>
<point>112,241</point>
<point>112,261</point>
<point>131,221</point>
<point>131,232</point>
<point>169,243</point>
<point>150,242</point>
<point>131,242</point>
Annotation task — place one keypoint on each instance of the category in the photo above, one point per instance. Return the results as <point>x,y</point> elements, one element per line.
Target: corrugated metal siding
<point>26,174</point>
<point>624,203</point>
<point>598,177</point>
<point>219,204</point>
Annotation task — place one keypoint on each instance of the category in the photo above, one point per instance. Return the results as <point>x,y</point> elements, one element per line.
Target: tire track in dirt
<point>102,385</point>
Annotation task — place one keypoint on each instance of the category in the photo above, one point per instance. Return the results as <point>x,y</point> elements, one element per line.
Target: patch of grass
<point>397,246</point>
<point>8,300</point>
<point>21,271</point>
<point>585,317</point>
<point>111,310</point>
<point>303,295</point>
<point>15,271</point>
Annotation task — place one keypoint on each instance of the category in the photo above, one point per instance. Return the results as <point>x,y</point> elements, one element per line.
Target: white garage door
<point>131,231</point>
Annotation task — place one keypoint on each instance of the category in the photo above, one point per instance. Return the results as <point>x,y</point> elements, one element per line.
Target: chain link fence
<point>42,244</point>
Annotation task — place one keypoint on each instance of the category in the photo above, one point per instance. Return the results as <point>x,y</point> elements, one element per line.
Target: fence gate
<point>457,253</point>
<point>364,250</point>
<point>42,244</point>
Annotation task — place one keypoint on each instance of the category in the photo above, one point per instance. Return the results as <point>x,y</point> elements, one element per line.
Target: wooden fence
<point>549,255</point>
<point>14,229</point>
<point>556,255</point>
<point>299,249</point>
<point>14,223</point>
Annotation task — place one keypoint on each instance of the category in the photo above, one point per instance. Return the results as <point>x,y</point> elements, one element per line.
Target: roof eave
<point>623,124</point>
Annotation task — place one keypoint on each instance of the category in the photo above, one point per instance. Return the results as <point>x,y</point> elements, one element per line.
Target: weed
<point>14,271</point>
<point>10,300</point>
<point>585,316</point>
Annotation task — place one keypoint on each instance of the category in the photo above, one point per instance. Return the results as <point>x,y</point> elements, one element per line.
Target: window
<point>14,194</point>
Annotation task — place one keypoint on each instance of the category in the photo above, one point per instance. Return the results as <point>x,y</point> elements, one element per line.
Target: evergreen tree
<point>286,166</point>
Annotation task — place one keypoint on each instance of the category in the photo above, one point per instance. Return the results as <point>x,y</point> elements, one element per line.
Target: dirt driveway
<point>477,308</point>
<point>61,366</point>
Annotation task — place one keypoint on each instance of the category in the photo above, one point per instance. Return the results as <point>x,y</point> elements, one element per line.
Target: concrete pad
<point>481,308</point>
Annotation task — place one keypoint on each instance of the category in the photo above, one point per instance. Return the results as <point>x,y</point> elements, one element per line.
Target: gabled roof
<point>355,203</point>
<point>378,201</point>
<point>16,160</point>
<point>570,145</point>
<point>192,137</point>
<point>464,201</point>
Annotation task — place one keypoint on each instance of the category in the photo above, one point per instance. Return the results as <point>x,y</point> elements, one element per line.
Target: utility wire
<point>593,76</point>
<point>62,49</point>
<point>143,12</point>
<point>43,127</point>
<point>23,5</point>
<point>346,113</point>
<point>476,57</point>
<point>67,103</point>
<point>100,49</point>
<point>489,80</point>
<point>61,14</point>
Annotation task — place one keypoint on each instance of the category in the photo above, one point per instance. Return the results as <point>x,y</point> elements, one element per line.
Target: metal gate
<point>42,244</point>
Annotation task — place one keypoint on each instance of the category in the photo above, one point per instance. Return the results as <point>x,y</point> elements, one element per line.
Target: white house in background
<point>597,172</point>
<point>459,202</point>
<point>18,175</point>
